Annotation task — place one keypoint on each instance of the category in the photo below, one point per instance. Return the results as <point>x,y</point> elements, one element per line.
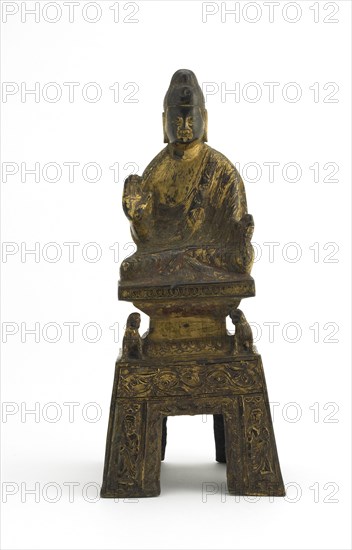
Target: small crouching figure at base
<point>243,338</point>
<point>132,342</point>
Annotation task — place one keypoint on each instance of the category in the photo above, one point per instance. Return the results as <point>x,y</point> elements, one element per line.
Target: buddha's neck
<point>185,151</point>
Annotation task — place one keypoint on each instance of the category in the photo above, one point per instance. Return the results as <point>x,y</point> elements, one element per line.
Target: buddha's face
<point>184,124</point>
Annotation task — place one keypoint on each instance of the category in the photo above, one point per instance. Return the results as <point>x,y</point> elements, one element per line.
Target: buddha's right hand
<point>132,186</point>
<point>135,199</point>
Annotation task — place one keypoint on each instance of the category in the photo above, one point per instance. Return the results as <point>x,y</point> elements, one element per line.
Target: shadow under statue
<point>189,220</point>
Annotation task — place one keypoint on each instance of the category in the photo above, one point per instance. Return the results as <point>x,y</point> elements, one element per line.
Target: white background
<point>307,379</point>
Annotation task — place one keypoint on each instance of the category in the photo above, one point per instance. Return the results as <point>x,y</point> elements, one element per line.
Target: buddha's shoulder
<point>155,162</point>
<point>212,156</point>
<point>220,159</point>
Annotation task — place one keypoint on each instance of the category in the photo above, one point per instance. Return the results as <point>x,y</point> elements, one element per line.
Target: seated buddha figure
<point>188,210</point>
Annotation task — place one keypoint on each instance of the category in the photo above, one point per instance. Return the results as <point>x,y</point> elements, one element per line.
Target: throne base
<point>232,388</point>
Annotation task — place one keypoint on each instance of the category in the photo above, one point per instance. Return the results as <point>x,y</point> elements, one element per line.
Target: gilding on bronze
<point>189,219</point>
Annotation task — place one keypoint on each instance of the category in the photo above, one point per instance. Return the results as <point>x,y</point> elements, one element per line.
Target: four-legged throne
<point>191,269</point>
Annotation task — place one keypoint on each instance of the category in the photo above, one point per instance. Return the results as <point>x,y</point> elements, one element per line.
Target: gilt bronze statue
<point>189,220</point>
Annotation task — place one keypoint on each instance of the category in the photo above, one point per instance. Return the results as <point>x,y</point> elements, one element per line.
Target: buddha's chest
<point>175,182</point>
<point>175,192</point>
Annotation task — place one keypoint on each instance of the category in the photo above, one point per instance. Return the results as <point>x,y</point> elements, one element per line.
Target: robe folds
<point>186,213</point>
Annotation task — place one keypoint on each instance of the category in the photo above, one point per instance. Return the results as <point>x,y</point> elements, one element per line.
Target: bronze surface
<point>189,220</point>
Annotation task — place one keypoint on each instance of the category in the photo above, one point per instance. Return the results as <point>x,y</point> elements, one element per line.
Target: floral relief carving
<point>241,377</point>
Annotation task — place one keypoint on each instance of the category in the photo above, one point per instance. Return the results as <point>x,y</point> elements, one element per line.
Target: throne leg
<point>252,462</point>
<point>133,451</point>
<point>163,438</point>
<point>219,435</point>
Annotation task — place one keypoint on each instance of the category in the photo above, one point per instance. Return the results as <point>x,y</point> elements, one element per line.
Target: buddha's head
<point>184,116</point>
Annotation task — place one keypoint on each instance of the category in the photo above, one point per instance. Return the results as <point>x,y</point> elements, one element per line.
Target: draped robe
<point>185,220</point>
